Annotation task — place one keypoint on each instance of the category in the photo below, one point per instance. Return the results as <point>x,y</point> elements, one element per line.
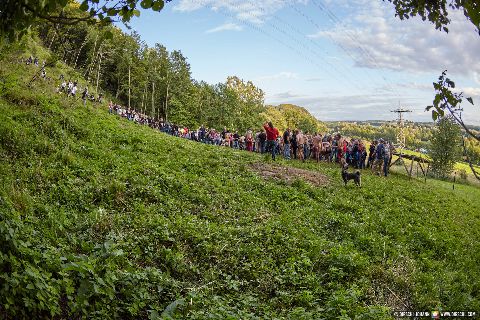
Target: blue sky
<point>342,60</point>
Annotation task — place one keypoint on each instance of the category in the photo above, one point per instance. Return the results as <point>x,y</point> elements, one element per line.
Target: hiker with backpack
<point>379,157</point>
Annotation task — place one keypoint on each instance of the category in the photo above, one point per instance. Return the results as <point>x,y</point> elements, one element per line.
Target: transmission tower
<point>400,123</point>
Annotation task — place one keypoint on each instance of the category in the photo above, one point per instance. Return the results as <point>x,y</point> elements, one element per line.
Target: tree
<point>294,117</point>
<point>249,103</point>
<point>178,94</point>
<point>445,146</point>
<point>436,11</point>
<point>17,16</point>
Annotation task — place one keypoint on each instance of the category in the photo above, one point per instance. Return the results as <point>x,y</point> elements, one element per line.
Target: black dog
<point>346,176</point>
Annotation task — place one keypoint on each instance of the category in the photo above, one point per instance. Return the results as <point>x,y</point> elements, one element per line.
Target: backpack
<point>380,151</point>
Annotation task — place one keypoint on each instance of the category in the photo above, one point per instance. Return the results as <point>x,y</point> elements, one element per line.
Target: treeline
<point>292,116</point>
<point>152,80</point>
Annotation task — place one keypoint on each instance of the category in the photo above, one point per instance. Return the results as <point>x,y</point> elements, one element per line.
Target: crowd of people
<point>34,61</point>
<point>69,88</point>
<point>292,144</point>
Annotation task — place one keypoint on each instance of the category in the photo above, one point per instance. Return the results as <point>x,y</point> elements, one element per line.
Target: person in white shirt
<point>74,90</point>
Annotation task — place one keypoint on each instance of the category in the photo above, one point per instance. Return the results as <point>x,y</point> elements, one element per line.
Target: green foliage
<point>447,102</point>
<point>294,117</point>
<point>437,11</point>
<point>17,16</point>
<point>472,149</point>
<point>445,147</point>
<point>101,218</point>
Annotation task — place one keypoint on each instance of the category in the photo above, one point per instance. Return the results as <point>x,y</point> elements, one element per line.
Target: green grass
<point>102,218</point>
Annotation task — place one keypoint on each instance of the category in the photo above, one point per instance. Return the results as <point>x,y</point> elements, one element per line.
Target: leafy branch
<point>447,100</point>
<point>437,11</point>
<point>17,16</point>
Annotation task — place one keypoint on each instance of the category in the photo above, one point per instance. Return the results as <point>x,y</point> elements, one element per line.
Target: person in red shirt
<point>272,134</point>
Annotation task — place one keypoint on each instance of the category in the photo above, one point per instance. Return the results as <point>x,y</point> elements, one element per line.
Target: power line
<point>299,52</point>
<point>339,44</point>
<point>303,36</point>
<point>364,52</point>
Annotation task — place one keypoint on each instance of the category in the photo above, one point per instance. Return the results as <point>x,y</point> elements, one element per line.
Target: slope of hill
<point>102,218</point>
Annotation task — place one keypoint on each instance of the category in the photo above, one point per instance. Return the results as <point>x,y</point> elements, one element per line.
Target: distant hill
<point>377,123</point>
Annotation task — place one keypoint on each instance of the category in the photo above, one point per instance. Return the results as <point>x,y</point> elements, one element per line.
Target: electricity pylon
<point>400,123</point>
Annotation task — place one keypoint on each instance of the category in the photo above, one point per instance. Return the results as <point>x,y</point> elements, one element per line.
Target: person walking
<point>85,96</point>
<point>262,137</point>
<point>286,144</point>
<point>74,90</point>
<point>386,158</point>
<point>363,155</point>
<point>333,156</point>
<point>272,134</point>
<point>371,155</point>
<point>300,145</point>
<point>236,138</point>
<point>249,140</point>
<point>379,155</point>
<point>293,141</point>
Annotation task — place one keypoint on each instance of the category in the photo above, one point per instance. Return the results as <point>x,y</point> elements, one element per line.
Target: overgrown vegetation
<point>445,147</point>
<point>102,218</point>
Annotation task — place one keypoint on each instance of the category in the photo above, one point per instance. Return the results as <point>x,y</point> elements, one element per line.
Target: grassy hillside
<point>102,218</point>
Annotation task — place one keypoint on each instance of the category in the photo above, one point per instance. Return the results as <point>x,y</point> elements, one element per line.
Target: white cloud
<point>225,27</point>
<point>469,91</point>
<point>351,107</point>
<point>366,106</point>
<point>253,12</point>
<point>476,77</point>
<point>379,40</point>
